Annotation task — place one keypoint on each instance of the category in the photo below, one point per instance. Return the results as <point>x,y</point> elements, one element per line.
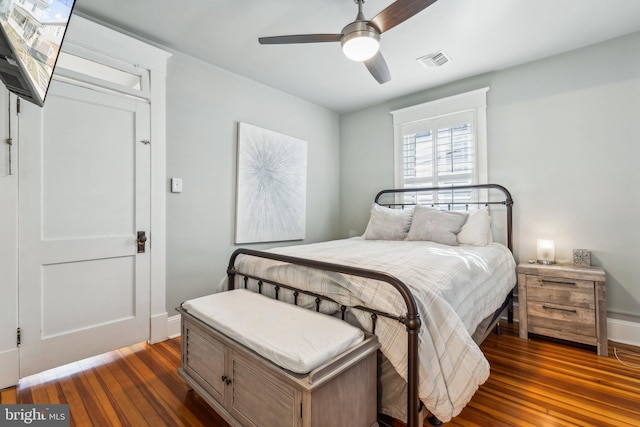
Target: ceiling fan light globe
<point>360,41</point>
<point>360,47</point>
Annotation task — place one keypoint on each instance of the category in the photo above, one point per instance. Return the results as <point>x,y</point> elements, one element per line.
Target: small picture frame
<point>582,258</point>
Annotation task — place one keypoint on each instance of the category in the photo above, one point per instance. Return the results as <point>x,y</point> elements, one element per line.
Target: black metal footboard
<point>411,320</point>
<point>451,198</point>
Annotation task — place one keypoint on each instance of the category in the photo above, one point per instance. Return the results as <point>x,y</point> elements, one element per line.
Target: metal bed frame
<point>412,318</point>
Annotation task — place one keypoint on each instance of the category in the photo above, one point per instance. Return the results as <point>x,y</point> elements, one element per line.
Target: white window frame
<point>97,71</point>
<point>474,102</point>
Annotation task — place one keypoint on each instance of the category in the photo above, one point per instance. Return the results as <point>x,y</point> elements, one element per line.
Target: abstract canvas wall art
<point>271,186</point>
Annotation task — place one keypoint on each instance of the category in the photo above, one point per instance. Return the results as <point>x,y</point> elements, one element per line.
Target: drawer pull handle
<point>559,282</point>
<point>560,309</point>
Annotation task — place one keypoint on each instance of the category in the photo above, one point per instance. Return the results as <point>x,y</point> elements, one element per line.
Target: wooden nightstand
<point>565,302</point>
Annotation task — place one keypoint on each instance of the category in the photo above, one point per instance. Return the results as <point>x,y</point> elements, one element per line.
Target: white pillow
<point>388,224</point>
<point>477,230</point>
<point>436,225</point>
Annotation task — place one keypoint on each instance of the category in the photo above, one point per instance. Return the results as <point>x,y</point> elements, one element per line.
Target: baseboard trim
<point>623,331</point>
<point>159,324</point>
<point>9,368</point>
<point>173,326</point>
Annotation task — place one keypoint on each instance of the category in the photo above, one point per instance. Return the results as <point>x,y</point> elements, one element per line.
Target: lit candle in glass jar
<point>546,251</point>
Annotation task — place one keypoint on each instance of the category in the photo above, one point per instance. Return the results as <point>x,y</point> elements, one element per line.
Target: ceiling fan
<point>360,39</point>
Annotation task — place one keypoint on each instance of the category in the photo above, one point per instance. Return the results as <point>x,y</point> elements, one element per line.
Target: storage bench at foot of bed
<point>247,389</point>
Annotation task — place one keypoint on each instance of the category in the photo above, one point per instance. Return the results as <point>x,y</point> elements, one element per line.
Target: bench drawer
<point>248,390</point>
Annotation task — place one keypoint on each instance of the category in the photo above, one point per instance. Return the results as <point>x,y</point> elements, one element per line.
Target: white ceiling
<point>479,36</point>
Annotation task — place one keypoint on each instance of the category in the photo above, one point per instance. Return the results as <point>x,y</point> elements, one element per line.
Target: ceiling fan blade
<point>377,66</point>
<point>398,12</point>
<point>301,38</point>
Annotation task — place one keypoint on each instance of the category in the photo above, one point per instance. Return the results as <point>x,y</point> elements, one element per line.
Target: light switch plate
<point>176,185</point>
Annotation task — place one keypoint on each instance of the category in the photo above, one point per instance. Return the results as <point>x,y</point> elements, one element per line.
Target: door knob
<point>142,238</point>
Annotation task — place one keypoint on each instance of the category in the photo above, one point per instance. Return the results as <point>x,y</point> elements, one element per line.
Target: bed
<point>428,297</point>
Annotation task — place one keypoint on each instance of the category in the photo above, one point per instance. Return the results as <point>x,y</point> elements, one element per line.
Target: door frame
<point>86,37</point>
<point>9,356</point>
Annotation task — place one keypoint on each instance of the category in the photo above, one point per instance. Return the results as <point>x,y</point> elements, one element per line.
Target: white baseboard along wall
<point>173,326</point>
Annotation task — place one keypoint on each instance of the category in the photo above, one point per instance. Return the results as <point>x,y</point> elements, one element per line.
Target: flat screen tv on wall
<point>31,34</point>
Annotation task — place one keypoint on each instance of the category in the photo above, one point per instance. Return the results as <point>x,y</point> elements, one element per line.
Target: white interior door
<point>84,193</point>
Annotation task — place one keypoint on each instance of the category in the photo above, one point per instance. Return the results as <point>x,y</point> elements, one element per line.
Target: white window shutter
<point>442,143</point>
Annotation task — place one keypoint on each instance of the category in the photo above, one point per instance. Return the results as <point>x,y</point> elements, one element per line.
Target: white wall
<point>562,137</point>
<point>204,105</point>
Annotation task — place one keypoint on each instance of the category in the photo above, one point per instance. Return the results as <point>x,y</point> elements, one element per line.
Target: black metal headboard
<point>453,198</point>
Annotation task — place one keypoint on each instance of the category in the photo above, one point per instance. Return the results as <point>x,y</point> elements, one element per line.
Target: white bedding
<point>292,337</point>
<point>455,289</point>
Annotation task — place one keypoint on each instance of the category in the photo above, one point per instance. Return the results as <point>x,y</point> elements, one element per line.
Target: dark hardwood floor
<point>534,383</point>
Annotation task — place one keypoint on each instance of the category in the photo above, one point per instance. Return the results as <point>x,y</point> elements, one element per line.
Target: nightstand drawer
<point>562,318</point>
<point>578,293</point>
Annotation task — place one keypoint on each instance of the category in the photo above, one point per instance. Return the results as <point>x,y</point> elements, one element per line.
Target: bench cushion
<point>292,337</point>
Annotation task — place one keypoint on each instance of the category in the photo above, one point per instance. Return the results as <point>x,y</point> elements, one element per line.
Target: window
<point>116,76</point>
<point>439,155</point>
<point>441,143</point>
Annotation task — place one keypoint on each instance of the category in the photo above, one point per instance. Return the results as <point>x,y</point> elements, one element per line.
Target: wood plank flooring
<point>532,383</point>
<point>542,383</point>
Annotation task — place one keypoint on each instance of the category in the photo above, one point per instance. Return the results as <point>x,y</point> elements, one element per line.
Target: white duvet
<point>455,288</point>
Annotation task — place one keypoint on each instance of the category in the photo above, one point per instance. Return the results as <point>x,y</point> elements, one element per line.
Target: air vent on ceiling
<point>435,59</point>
